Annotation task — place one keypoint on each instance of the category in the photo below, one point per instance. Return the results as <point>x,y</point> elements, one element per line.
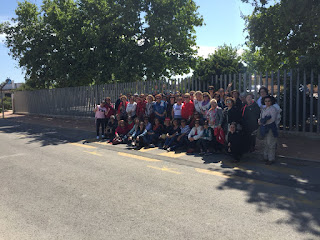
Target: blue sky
<point>222,19</point>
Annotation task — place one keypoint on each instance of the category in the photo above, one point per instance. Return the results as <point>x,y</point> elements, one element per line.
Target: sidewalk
<point>291,147</point>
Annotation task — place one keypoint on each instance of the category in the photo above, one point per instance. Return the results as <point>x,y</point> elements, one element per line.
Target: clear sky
<point>222,18</point>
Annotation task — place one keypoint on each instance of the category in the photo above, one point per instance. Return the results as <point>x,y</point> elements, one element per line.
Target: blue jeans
<point>169,141</point>
<point>177,144</point>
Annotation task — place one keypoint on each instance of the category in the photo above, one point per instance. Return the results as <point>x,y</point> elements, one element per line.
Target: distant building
<point>7,89</point>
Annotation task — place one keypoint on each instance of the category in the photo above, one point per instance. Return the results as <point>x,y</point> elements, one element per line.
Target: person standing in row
<point>250,116</point>
<point>269,129</point>
<point>100,117</point>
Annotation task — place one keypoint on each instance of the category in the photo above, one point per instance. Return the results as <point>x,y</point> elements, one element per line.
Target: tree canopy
<point>72,43</point>
<point>224,60</point>
<point>286,32</point>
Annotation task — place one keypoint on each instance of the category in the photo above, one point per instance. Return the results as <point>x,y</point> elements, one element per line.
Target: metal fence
<point>296,93</point>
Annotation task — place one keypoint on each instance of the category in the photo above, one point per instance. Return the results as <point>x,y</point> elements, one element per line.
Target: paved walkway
<point>295,147</point>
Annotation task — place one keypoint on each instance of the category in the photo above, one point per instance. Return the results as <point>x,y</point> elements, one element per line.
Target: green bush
<point>7,103</point>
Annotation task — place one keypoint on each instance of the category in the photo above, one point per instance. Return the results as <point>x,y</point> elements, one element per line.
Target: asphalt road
<point>54,187</point>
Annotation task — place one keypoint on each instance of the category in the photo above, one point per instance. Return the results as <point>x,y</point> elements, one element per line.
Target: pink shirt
<point>100,113</point>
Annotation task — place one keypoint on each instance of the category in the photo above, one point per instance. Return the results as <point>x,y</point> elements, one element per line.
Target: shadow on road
<point>43,134</point>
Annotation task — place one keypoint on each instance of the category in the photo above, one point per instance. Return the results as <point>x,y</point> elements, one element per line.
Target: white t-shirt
<point>177,110</point>
<point>131,109</point>
<point>197,105</point>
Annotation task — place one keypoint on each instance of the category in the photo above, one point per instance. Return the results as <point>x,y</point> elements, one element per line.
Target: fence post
<point>285,100</point>
<point>291,101</point>
<point>297,101</point>
<point>304,102</point>
<point>311,102</point>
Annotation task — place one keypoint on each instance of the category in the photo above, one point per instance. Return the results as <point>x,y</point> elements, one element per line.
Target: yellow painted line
<point>94,153</point>
<point>146,149</point>
<point>248,180</point>
<point>82,145</point>
<point>138,157</point>
<point>165,169</point>
<point>172,154</point>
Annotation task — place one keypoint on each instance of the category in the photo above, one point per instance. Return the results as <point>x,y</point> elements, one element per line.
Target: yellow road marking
<point>146,149</point>
<point>172,154</point>
<point>82,145</point>
<point>94,153</point>
<point>138,157</point>
<point>164,169</point>
<point>248,180</point>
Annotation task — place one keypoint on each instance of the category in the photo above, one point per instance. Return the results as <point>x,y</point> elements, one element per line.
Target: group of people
<point>203,122</point>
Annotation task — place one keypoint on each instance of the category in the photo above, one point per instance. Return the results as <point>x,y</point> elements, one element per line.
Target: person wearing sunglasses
<point>187,109</point>
<point>159,108</point>
<point>268,129</point>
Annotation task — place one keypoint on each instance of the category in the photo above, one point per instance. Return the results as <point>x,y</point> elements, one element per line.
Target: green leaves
<point>68,43</point>
<point>285,32</point>
<point>224,61</point>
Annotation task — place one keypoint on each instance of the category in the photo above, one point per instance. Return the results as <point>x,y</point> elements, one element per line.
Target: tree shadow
<point>45,135</point>
<point>296,198</point>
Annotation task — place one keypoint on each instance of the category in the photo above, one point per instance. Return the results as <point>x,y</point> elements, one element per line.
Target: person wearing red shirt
<point>187,109</point>
<point>122,107</point>
<point>141,107</point>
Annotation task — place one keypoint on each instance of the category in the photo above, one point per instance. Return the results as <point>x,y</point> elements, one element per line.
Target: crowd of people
<point>204,122</point>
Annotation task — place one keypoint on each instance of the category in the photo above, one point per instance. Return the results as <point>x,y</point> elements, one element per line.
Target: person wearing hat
<point>268,128</point>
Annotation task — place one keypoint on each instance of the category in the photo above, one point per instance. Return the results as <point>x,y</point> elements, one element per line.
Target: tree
<point>286,33</point>
<point>72,43</point>
<point>225,60</point>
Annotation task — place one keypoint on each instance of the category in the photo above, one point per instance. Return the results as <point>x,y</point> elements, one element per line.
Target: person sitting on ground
<point>172,136</point>
<point>193,137</point>
<point>100,117</point>
<point>133,130</point>
<point>138,136</point>
<point>121,132</point>
<point>176,109</point>
<point>205,140</point>
<point>187,109</point>
<point>182,139</point>
<point>130,123</point>
<point>111,128</point>
<point>147,124</point>
<point>235,142</point>
<point>152,136</point>
<point>167,128</point>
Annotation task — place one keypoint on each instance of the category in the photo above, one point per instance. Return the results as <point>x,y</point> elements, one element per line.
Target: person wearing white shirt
<point>198,101</point>
<point>131,107</point>
<point>194,135</point>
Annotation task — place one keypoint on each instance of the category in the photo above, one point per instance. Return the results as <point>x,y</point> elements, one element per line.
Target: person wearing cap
<point>187,109</point>
<point>159,108</point>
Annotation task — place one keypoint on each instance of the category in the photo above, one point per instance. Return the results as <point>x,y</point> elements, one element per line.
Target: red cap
<point>167,119</point>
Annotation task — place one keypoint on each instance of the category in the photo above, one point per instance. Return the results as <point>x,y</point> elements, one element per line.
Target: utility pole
<point>1,89</point>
